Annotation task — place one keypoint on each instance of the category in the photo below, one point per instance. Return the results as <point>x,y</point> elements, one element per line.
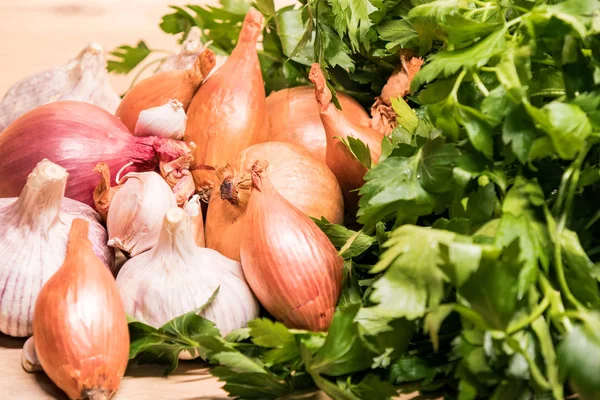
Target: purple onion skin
<point>76,136</point>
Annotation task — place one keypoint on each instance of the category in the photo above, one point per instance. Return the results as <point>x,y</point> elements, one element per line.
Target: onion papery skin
<point>300,177</point>
<point>290,264</point>
<point>76,136</point>
<point>158,89</point>
<point>229,112</point>
<point>294,118</point>
<point>347,169</point>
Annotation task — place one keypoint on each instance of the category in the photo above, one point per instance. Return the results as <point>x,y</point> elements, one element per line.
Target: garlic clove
<point>168,121</point>
<point>193,208</point>
<point>177,276</point>
<point>136,211</point>
<point>29,359</point>
<point>84,78</point>
<point>33,239</point>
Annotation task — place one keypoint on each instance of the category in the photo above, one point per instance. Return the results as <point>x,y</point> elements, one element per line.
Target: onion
<point>297,175</point>
<point>158,89</point>
<point>294,118</point>
<point>228,113</point>
<point>290,264</point>
<point>77,136</point>
<point>347,169</point>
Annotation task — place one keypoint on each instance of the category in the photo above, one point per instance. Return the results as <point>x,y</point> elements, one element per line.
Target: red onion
<point>76,136</point>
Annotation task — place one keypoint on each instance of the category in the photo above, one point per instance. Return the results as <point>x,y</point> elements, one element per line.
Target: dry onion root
<point>290,264</point>
<point>398,85</point>
<point>296,174</point>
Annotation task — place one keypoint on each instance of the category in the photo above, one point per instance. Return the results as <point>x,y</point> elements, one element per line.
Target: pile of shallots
<point>196,178</point>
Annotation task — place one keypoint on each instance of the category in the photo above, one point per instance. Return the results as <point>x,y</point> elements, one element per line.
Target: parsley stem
<point>480,84</point>
<point>536,374</point>
<point>556,306</point>
<point>144,68</point>
<point>537,312</point>
<point>457,84</point>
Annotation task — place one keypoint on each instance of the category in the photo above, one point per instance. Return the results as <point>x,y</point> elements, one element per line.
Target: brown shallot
<point>229,113</point>
<point>347,169</point>
<point>300,177</point>
<point>294,118</point>
<point>158,89</point>
<point>80,326</point>
<point>290,264</point>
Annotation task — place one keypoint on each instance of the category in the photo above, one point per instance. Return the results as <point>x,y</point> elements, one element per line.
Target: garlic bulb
<point>34,231</point>
<point>84,78</point>
<point>136,211</point>
<point>177,276</point>
<point>168,121</point>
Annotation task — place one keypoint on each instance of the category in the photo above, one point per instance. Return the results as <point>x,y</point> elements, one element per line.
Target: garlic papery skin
<point>186,57</point>
<point>177,276</point>
<point>193,208</point>
<point>168,121</point>
<point>29,359</point>
<point>136,211</point>
<point>84,78</point>
<point>34,231</point>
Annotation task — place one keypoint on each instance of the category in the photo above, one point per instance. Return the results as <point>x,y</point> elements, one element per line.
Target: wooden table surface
<point>39,34</point>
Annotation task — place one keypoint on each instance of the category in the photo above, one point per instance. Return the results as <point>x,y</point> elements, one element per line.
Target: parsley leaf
<point>126,58</point>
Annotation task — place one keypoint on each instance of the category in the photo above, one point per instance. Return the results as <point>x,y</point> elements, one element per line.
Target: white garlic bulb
<point>34,231</point>
<point>168,121</point>
<point>83,78</point>
<point>177,277</point>
<point>136,212</point>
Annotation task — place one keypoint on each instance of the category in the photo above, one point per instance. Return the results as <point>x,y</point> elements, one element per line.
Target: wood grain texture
<point>38,34</point>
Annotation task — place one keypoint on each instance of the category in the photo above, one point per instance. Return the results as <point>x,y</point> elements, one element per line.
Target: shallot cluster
<point>201,184</point>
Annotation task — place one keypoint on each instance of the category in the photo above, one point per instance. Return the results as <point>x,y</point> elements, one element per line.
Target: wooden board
<point>191,381</point>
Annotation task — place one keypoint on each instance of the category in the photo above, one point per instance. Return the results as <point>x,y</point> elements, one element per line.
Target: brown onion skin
<point>229,113</point>
<point>294,118</point>
<point>76,136</point>
<point>158,89</point>
<point>347,169</point>
<point>298,176</point>
<point>290,264</point>
<point>79,324</point>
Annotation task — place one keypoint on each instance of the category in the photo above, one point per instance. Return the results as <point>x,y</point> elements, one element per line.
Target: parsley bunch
<point>474,270</point>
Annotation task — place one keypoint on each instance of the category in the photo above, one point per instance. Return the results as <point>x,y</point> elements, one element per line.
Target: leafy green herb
<point>473,267</point>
